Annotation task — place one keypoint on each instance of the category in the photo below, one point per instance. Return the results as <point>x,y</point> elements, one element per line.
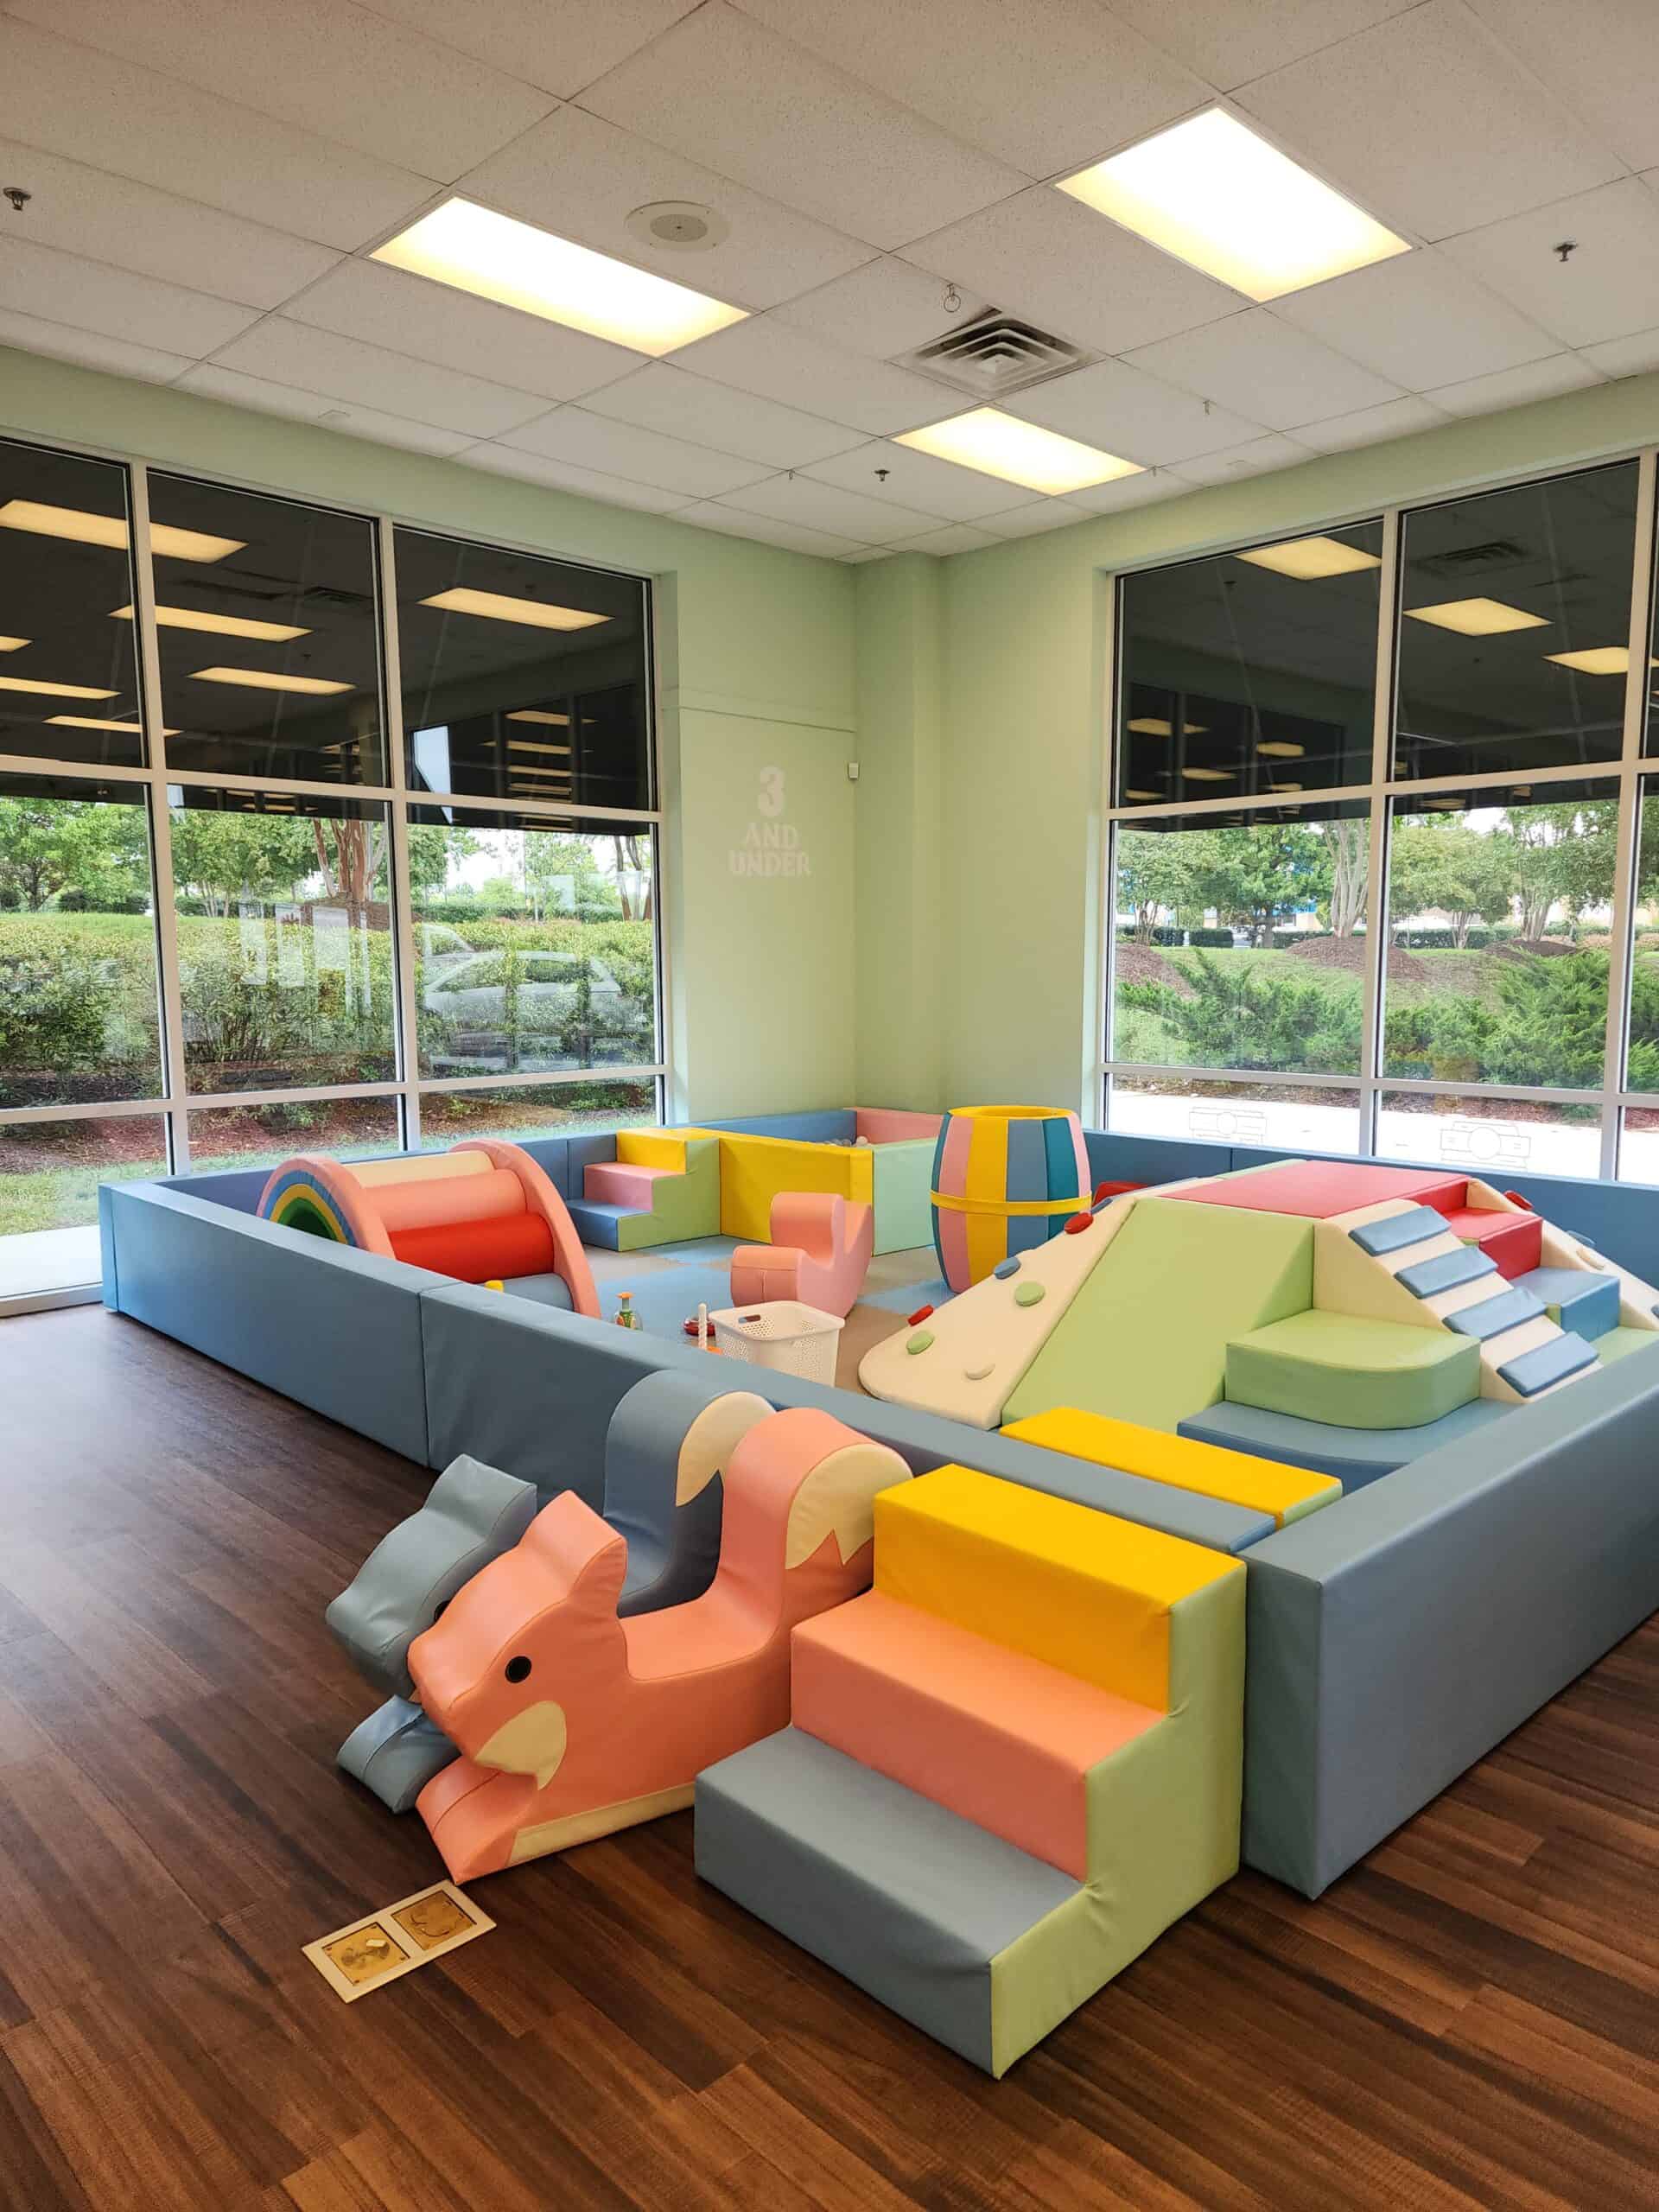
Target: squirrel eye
<point>517,1670</point>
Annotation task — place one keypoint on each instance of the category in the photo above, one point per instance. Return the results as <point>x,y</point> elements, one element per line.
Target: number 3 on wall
<point>771,801</point>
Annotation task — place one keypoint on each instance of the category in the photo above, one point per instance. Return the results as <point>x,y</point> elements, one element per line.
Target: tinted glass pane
<point>264,1136</point>
<point>1242,945</point>
<point>518,1110</point>
<point>534,944</point>
<point>1493,1138</point>
<point>79,1018</point>
<point>1251,673</point>
<point>522,678</point>
<point>285,947</point>
<point>1514,627</point>
<point>1279,1115</point>
<point>49,1175</point>
<point>68,664</point>
<point>1500,909</point>
<point>266,624</point>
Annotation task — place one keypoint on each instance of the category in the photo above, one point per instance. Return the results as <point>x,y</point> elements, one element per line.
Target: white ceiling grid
<point>211,175</point>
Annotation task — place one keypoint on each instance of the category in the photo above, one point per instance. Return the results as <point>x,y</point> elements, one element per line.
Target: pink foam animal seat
<point>573,1723</point>
<point>819,1253</point>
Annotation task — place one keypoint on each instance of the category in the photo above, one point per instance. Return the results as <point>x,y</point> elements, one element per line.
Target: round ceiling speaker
<point>682,224</point>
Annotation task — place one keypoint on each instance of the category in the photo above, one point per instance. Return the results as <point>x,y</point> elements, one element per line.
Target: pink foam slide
<point>819,1253</point>
<point>573,1723</point>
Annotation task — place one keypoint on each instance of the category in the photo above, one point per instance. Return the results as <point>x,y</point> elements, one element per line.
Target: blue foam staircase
<point>596,1223</point>
<point>1579,1300</point>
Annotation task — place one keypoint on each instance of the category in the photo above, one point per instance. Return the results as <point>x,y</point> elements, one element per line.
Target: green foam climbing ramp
<point>1353,1373</point>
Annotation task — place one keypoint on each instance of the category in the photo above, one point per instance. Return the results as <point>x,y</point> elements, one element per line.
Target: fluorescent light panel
<point>498,607</point>
<point>264,679</point>
<point>1477,618</point>
<point>92,722</point>
<point>539,714</point>
<point>12,644</point>
<point>218,625</point>
<point>519,265</point>
<point>1281,748</point>
<point>1213,194</point>
<point>1209,775</point>
<point>109,530</point>
<point>534,745</point>
<point>53,691</point>
<point>1002,445</point>
<point>1598,660</point>
<point>1308,558</point>
<point>1154,726</point>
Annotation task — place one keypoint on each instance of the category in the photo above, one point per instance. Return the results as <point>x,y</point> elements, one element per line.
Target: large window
<point>251,903</point>
<point>1454,956</point>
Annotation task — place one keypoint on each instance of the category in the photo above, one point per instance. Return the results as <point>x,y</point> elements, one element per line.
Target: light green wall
<point>756,659</point>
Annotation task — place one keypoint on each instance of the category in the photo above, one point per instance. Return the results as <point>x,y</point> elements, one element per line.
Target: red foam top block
<point>1316,1188</point>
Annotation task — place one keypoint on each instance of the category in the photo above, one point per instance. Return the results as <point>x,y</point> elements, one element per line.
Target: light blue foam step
<point>1445,1271</point>
<point>1532,1371</point>
<point>596,1223</point>
<point>1490,1317</point>
<point>1576,1299</point>
<point>1398,1231</point>
<point>1354,1456</point>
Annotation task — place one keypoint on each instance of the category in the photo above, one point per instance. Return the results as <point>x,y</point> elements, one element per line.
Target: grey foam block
<point>396,1752</point>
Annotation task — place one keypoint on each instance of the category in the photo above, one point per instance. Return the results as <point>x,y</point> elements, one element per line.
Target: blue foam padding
<point>583,1152</point>
<point>1060,1156</point>
<point>1445,1271</point>
<point>1587,1304</point>
<point>667,1297</point>
<point>552,1156</point>
<point>1535,1370</point>
<point>1354,1456</point>
<point>698,1251</point>
<point>240,1188</point>
<point>830,1125</point>
<point>1027,1173</point>
<point>596,1223</point>
<point>672,1549</point>
<point>1397,1232</point>
<point>108,1275</point>
<point>1004,1268</point>
<point>546,1290</point>
<point>1490,1317</point>
<point>1122,1159</point>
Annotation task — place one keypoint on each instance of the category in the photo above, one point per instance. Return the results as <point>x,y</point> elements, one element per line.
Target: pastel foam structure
<point>1005,1179</point>
<point>1587,1304</point>
<point>1352,1373</point>
<point>1269,1486</point>
<point>662,1188</point>
<point>1354,1457</point>
<point>820,1253</point>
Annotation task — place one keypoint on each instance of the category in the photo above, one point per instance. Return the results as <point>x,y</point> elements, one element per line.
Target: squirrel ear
<point>606,1567</point>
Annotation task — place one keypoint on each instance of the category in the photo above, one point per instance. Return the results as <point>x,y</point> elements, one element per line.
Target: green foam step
<point>1353,1373</point>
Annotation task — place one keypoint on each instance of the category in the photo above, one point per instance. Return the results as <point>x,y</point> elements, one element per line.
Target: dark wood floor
<point>1470,2018</point>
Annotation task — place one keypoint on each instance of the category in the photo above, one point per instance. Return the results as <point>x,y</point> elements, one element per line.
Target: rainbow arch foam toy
<point>1005,1177</point>
<point>481,1211</point>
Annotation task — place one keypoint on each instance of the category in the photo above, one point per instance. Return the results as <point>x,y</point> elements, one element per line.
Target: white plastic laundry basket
<point>781,1333</point>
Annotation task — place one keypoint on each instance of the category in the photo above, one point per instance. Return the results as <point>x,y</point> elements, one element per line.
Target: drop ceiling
<point>209,181</point>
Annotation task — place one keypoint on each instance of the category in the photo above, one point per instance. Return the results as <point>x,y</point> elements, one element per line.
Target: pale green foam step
<point>1613,1344</point>
<point>1353,1373</point>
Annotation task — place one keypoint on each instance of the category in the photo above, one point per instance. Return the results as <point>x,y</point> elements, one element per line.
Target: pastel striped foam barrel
<point>1005,1179</point>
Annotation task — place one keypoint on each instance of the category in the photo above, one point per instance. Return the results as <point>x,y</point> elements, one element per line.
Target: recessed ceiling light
<point>521,266</point>
<point>1002,445</point>
<point>1599,660</point>
<point>1478,618</point>
<point>92,722</point>
<point>11,644</point>
<point>1281,748</point>
<point>53,691</point>
<point>1143,795</point>
<point>1215,194</point>
<point>534,745</point>
<point>539,714</point>
<point>1287,787</point>
<point>108,530</point>
<point>1306,558</point>
<point>219,625</point>
<point>264,679</point>
<point>1151,726</point>
<point>497,606</point>
<point>1209,775</point>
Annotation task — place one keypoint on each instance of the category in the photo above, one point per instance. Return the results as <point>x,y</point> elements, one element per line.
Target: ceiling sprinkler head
<point>1565,248</point>
<point>18,197</point>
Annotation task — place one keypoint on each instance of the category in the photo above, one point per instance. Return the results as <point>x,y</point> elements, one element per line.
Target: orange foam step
<point>620,1182</point>
<point>988,1732</point>
<point>1512,1241</point>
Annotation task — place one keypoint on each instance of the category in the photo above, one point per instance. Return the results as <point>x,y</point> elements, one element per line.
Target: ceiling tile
<point>109,218</point>
<point>90,296</point>
<point>388,307</point>
<point>1515,387</point>
<point>1418,320</point>
<point>1028,521</point>
<point>369,376</point>
<point>768,532</point>
<point>1046,256</point>
<point>1607,287</point>
<point>560,45</point>
<point>324,65</point>
<point>1128,413</point>
<point>70,100</point>
<point>1598,54</point>
<point>955,538</point>
<point>1230,41</point>
<point>583,177</point>
<point>89,349</point>
<point>1620,357</point>
<point>1265,370</point>
<point>814,506</point>
<point>592,442</point>
<point>1044,85</point>
<point>663,398</point>
<point>885,308</point>
<point>267,399</point>
<point>1429,124</point>
<point>1140,491</point>
<point>796,366</point>
<point>1394,418</point>
<point>568,476</point>
<point>722,88</point>
<point>1249,459</point>
<point>915,479</point>
<point>867,553</point>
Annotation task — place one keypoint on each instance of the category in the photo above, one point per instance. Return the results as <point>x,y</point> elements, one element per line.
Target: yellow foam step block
<point>1234,1478</point>
<point>1079,1590</point>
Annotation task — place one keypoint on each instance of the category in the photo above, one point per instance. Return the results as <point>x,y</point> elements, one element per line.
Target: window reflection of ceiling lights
<point>498,607</point>
<point>1306,559</point>
<point>1151,726</point>
<point>1209,775</point>
<point>92,722</point>
<point>109,530</point>
<point>1477,618</point>
<point>1143,795</point>
<point>533,745</point>
<point>539,714</point>
<point>11,644</point>
<point>1002,445</point>
<point>264,679</point>
<point>53,690</point>
<point>219,625</point>
<point>1598,660</point>
<point>1281,748</point>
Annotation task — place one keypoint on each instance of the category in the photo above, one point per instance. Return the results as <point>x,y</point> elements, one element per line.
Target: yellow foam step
<point>1234,1478</point>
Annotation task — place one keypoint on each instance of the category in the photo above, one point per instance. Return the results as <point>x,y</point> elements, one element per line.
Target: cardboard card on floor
<point>383,1946</point>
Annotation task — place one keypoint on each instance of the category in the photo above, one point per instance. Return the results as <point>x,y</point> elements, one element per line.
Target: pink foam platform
<point>1318,1188</point>
<point>617,1183</point>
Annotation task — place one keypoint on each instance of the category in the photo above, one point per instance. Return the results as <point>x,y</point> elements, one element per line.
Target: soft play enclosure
<point>482,1212</point>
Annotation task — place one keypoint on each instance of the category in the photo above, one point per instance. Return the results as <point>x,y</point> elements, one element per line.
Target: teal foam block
<point>1445,1271</point>
<point>1490,1317</point>
<point>1354,1456</point>
<point>1576,1299</point>
<point>1396,1231</point>
<point>1536,1369</point>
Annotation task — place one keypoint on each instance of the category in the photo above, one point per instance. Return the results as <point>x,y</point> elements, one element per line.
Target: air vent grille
<point>995,355</point>
<point>1494,553</point>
